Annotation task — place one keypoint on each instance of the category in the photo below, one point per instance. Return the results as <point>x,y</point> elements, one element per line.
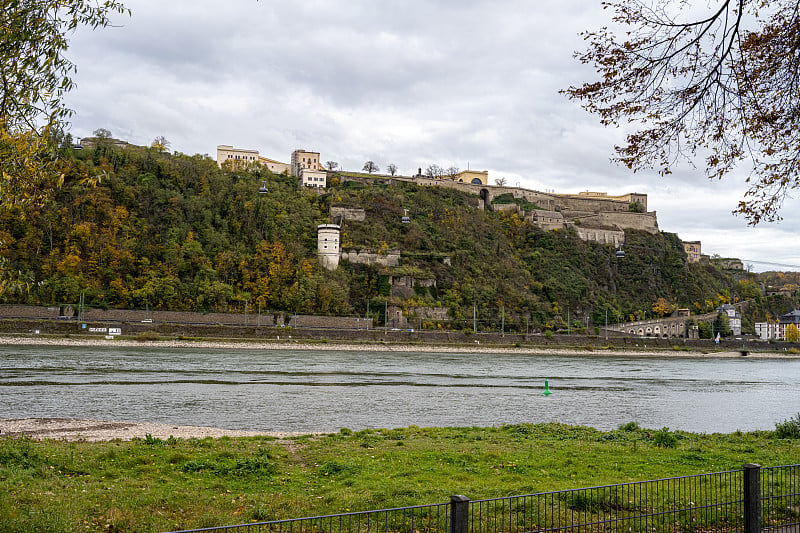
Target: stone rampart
<point>593,205</point>
<point>390,259</point>
<point>507,208</point>
<point>601,235</point>
<point>348,213</point>
<point>641,221</point>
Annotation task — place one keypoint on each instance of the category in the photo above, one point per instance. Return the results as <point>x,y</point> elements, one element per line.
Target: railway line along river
<point>325,390</point>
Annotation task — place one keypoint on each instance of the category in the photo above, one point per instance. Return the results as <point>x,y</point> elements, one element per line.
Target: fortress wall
<point>595,205</point>
<point>545,201</point>
<point>551,226</point>
<point>348,213</point>
<point>601,235</point>
<point>641,221</point>
<point>391,259</point>
<point>507,208</point>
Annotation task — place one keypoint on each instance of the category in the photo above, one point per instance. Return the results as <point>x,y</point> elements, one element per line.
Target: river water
<point>308,390</point>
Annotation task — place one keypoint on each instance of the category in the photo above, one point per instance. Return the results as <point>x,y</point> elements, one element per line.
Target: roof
<point>793,317</point>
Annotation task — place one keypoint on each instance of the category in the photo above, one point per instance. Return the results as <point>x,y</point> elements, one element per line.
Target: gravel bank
<point>101,430</point>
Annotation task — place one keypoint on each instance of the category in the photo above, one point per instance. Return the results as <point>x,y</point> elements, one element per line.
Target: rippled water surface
<point>282,390</point>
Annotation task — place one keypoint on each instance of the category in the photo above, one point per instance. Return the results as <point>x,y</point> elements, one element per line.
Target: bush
<point>630,426</point>
<point>788,429</point>
<point>664,438</point>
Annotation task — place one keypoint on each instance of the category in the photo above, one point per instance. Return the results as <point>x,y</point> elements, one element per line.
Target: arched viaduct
<point>667,327</point>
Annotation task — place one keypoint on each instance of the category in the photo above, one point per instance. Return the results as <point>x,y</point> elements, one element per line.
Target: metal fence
<point>780,497</point>
<point>749,500</point>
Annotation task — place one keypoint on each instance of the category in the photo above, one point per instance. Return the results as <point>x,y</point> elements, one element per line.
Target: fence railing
<point>748,500</point>
<point>780,497</point>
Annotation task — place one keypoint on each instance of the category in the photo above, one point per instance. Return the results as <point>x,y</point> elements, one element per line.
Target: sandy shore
<point>335,346</point>
<point>99,430</point>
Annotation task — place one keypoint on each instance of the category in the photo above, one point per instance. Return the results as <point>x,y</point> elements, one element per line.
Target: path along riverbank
<point>643,351</point>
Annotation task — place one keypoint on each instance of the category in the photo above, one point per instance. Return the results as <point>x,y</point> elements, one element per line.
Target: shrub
<point>630,426</point>
<point>664,438</point>
<point>788,429</point>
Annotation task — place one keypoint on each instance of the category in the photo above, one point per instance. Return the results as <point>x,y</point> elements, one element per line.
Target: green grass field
<point>159,485</point>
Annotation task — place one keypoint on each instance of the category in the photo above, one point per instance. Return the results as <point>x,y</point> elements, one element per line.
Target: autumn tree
<point>716,80</point>
<point>33,81</point>
<point>792,333</point>
<point>662,307</point>
<point>370,167</point>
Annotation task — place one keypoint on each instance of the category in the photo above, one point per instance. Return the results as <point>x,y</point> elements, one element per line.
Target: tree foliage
<point>716,80</point>
<point>792,333</point>
<point>662,307</point>
<point>370,167</point>
<point>177,232</point>
<point>34,78</point>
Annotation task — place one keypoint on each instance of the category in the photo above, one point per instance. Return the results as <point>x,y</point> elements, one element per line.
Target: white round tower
<point>328,245</point>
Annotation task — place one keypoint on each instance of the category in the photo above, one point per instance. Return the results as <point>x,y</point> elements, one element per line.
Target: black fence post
<point>752,498</point>
<point>459,514</point>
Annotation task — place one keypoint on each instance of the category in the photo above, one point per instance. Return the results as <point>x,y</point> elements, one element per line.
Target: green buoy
<point>547,391</point>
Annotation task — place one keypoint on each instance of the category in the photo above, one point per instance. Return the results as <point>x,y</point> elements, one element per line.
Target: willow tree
<point>709,81</point>
<point>34,79</point>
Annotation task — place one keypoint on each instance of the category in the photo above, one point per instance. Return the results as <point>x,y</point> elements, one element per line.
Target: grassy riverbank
<point>157,485</point>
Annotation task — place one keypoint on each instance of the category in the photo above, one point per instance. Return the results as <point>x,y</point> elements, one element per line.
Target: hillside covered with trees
<point>138,227</point>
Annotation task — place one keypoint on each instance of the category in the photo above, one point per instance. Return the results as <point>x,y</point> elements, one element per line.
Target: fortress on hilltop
<point>595,216</point>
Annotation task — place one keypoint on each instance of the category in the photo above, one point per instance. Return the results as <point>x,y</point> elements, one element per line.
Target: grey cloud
<point>410,82</point>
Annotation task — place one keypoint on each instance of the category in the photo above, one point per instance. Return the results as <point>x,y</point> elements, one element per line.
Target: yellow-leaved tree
<point>792,333</point>
<point>34,78</point>
<point>662,307</point>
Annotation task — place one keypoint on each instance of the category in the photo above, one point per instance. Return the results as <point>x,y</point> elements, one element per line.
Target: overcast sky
<point>466,83</point>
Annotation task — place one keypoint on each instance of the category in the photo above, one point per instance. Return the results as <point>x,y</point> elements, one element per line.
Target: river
<point>310,390</point>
